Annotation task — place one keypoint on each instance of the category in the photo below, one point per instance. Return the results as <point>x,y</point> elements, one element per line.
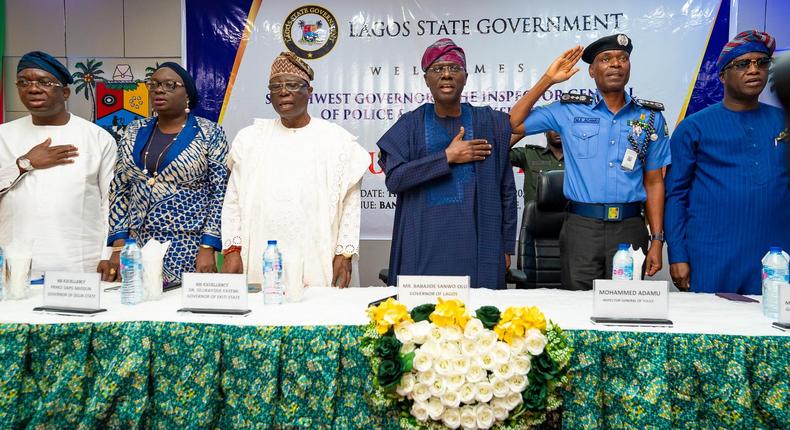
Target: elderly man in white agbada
<point>55,172</point>
<point>294,179</point>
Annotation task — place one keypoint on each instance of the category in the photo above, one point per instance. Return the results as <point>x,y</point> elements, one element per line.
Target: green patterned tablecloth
<point>168,375</point>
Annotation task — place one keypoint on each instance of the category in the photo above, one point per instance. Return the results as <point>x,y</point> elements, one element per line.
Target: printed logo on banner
<point>310,32</point>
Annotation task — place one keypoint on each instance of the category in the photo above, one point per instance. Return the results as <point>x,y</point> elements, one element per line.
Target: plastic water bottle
<point>273,288</point>
<point>131,273</point>
<point>775,272</point>
<point>623,263</point>
<point>2,273</point>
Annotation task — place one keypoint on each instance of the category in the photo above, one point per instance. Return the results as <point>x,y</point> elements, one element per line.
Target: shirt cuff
<point>118,235</point>
<point>677,254</point>
<point>212,241</point>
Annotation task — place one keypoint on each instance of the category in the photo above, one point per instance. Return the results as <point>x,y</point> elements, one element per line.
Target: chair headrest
<point>550,194</point>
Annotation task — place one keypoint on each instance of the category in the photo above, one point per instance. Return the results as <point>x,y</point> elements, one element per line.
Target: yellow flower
<point>388,314</point>
<point>516,321</point>
<point>450,313</point>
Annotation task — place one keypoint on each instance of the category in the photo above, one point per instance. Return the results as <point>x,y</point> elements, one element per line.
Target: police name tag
<point>629,159</point>
<point>784,303</point>
<point>72,293</point>
<point>631,302</point>
<point>214,293</point>
<point>419,290</point>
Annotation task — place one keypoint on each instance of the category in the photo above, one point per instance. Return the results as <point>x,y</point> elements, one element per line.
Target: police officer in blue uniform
<point>615,147</point>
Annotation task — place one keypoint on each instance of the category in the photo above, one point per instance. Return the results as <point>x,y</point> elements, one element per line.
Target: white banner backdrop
<point>368,67</point>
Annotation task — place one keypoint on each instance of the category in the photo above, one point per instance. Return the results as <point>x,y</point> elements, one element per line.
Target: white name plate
<point>64,290</point>
<point>209,292</point>
<point>418,290</point>
<point>630,299</point>
<point>784,303</point>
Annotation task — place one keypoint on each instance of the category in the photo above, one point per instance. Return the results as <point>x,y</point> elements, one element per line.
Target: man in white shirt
<point>55,171</point>
<point>294,179</point>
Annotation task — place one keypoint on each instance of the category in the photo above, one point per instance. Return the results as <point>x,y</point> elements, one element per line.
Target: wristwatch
<point>347,255</point>
<point>659,237</point>
<point>24,164</point>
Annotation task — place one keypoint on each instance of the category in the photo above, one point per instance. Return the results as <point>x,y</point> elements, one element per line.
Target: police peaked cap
<point>615,42</point>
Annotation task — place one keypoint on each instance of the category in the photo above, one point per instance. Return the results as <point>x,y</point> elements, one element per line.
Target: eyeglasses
<point>742,65</point>
<point>453,69</point>
<point>41,83</point>
<point>289,86</point>
<point>168,86</point>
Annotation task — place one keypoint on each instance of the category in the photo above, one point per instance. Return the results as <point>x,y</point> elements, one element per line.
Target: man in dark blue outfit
<point>728,199</point>
<point>448,164</point>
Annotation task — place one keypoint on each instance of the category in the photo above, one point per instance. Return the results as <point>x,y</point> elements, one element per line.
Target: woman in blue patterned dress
<point>170,180</point>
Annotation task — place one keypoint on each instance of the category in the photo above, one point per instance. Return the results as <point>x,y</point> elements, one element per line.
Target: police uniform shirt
<point>594,143</point>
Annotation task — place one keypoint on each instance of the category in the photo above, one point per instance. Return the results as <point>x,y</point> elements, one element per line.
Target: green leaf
<point>407,361</point>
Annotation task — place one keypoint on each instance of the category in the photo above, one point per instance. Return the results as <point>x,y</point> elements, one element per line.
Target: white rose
<point>403,332</point>
<point>486,360</point>
<point>451,349</point>
<point>535,342</point>
<point>485,416</point>
<point>419,410</point>
<point>484,392</point>
<point>469,348</point>
<point>437,387</point>
<point>454,381</point>
<point>468,418</point>
<point>421,392</point>
<point>500,413</point>
<point>406,384</point>
<point>431,348</point>
<point>422,360</point>
<point>476,373</point>
<point>473,329</point>
<point>516,346</point>
<point>420,331</point>
<point>501,352</point>
<point>517,383</point>
<point>503,371</point>
<point>513,400</point>
<point>451,399</point>
<point>451,418</point>
<point>461,364</point>
<point>443,366</point>
<point>521,364</point>
<point>427,377</point>
<point>500,387</point>
<point>436,334</point>
<point>486,341</point>
<point>435,408</point>
<point>452,333</point>
<point>467,392</point>
<point>407,348</point>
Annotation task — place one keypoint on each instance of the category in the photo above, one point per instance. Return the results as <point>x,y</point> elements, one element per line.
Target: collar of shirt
<point>598,101</point>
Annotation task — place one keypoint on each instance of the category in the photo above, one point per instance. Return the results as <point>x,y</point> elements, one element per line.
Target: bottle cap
<point>623,247</point>
<point>272,242</point>
<point>776,249</point>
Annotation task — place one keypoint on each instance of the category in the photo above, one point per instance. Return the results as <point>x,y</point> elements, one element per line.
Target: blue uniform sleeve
<point>678,183</point>
<point>542,119</point>
<point>659,154</point>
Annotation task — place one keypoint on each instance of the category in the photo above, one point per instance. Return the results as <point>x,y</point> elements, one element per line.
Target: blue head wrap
<point>43,61</point>
<point>189,83</point>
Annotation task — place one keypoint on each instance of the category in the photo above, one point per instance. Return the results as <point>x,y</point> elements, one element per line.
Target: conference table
<point>300,365</point>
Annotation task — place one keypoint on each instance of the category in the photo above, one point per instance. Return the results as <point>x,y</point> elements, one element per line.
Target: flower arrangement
<point>440,366</point>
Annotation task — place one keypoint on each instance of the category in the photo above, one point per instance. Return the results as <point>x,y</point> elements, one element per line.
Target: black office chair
<point>538,254</point>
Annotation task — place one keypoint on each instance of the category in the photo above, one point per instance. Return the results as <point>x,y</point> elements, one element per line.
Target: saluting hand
<point>465,151</point>
<point>564,66</point>
<point>44,156</point>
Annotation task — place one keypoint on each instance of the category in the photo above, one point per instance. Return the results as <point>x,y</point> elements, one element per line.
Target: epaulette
<point>649,104</point>
<point>576,98</point>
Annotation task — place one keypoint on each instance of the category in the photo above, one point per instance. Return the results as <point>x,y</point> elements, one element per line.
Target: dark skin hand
<point>111,269</point>
<point>232,263</point>
<point>205,261</point>
<point>681,274</point>
<point>44,155</point>
<point>341,271</point>
<point>465,151</point>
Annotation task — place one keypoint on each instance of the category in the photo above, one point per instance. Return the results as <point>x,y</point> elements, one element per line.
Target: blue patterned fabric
<point>728,196</point>
<point>465,237</point>
<point>594,142</point>
<point>184,205</point>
